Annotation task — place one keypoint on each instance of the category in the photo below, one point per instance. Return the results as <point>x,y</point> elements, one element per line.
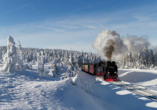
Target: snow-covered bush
<point>151,67</point>
<point>142,67</point>
<point>70,72</point>
<point>54,71</point>
<point>155,67</point>
<point>26,66</point>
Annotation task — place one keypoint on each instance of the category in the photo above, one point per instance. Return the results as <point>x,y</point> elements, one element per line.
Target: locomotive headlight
<point>115,72</point>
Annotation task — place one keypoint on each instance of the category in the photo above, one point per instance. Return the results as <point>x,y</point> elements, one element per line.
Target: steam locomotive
<point>106,69</point>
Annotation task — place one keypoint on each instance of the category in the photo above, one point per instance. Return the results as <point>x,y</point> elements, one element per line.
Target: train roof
<point>99,62</point>
<point>89,63</point>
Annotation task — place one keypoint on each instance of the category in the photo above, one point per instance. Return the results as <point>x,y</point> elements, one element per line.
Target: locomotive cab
<point>100,68</point>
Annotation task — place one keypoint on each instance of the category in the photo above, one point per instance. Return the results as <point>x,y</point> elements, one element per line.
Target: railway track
<point>137,89</point>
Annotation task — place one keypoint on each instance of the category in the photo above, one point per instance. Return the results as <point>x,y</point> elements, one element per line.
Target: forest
<point>15,57</point>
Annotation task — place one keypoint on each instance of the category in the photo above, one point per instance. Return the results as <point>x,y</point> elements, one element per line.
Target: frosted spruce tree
<point>10,58</point>
<point>71,68</point>
<point>19,56</point>
<point>40,64</point>
<point>151,59</point>
<point>155,60</point>
<point>145,57</point>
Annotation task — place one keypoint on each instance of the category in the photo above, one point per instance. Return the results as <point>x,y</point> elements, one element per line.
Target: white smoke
<point>135,44</point>
<point>110,45</point>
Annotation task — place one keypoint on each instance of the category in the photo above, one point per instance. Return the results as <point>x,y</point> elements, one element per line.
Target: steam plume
<point>111,46</point>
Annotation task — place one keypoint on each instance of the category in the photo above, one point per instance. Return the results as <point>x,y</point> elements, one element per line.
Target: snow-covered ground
<point>145,78</point>
<point>29,91</point>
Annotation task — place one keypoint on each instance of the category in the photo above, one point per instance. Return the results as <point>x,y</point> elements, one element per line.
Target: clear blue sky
<point>74,24</point>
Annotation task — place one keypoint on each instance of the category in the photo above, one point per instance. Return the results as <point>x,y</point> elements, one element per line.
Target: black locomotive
<point>106,69</point>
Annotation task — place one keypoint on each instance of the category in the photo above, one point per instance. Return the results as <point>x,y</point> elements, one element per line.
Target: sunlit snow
<point>29,90</point>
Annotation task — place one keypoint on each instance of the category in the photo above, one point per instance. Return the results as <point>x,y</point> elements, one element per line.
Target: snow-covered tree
<point>40,65</point>
<point>155,60</point>
<point>151,58</point>
<point>19,56</point>
<point>71,59</point>
<point>9,58</point>
<point>145,57</point>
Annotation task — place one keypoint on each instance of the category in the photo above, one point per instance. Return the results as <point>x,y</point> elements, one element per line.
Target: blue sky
<point>74,24</point>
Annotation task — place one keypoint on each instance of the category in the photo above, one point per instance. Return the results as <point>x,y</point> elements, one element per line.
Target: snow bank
<point>136,76</point>
<point>80,82</point>
<point>116,98</point>
<point>145,78</point>
<point>29,91</point>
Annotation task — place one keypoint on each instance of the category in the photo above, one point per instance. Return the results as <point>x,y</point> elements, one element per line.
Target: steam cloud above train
<point>110,45</point>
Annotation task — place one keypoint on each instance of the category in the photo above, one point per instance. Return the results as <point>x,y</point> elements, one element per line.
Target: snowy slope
<point>112,97</point>
<point>146,78</point>
<point>27,91</point>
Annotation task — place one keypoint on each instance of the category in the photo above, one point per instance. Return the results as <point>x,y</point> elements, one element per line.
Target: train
<point>106,69</point>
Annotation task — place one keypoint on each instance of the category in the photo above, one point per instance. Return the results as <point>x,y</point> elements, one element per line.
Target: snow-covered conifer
<point>150,58</point>
<point>71,59</point>
<point>155,60</point>
<point>9,59</point>
<point>145,57</point>
<point>40,65</point>
<point>19,56</point>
